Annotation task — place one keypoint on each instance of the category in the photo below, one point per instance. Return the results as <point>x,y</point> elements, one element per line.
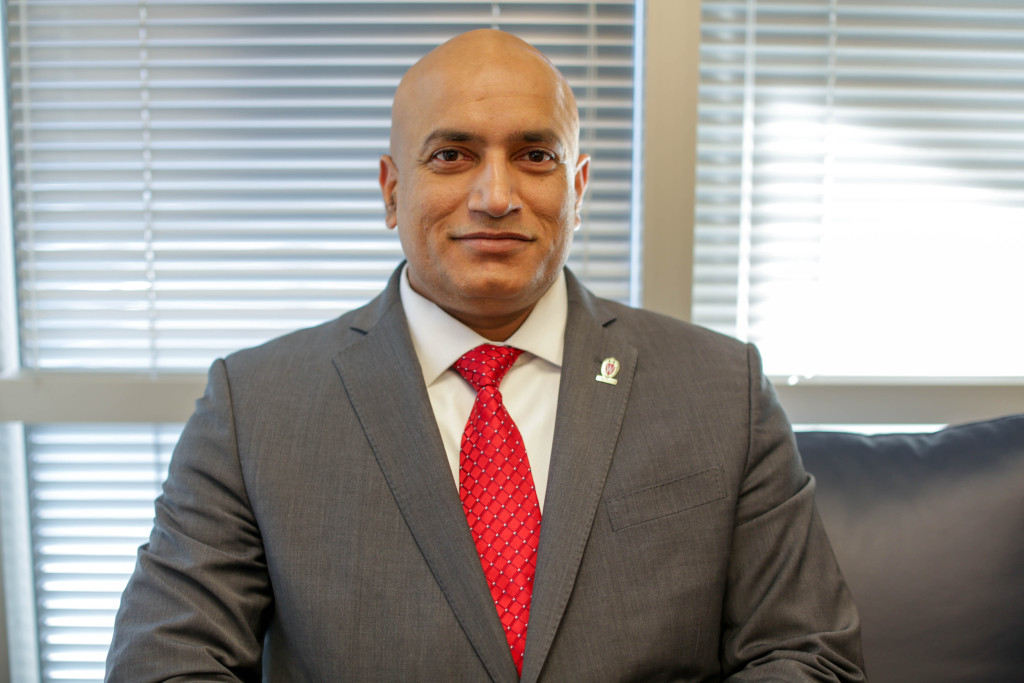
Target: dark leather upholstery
<point>929,532</point>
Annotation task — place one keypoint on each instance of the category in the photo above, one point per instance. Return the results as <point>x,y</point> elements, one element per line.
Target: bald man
<point>487,473</point>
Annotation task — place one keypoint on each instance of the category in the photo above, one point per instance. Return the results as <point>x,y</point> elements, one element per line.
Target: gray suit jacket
<point>310,508</point>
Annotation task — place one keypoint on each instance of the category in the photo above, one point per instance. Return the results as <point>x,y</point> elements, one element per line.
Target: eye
<point>448,156</point>
<point>538,160</point>
<point>539,156</point>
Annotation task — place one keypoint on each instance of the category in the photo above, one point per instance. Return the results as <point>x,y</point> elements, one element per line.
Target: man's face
<point>484,185</point>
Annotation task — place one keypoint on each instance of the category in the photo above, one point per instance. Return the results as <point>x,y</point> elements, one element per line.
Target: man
<point>313,528</point>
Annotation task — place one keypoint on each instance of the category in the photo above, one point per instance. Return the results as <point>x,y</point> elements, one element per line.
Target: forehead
<point>490,99</point>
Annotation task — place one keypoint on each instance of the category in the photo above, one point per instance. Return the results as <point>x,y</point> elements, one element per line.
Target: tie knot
<point>486,364</point>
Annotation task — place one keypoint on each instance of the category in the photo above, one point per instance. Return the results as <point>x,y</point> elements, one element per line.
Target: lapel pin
<point>609,368</point>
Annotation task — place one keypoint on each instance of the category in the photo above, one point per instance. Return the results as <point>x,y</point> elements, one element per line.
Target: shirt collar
<point>439,339</point>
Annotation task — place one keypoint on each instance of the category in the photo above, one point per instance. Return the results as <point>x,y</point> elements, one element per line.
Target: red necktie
<point>497,492</point>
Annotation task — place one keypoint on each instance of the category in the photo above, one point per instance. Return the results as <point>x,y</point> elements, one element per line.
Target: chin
<point>503,285</point>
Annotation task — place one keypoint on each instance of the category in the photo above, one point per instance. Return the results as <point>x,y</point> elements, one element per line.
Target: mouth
<point>494,242</point>
<point>493,235</point>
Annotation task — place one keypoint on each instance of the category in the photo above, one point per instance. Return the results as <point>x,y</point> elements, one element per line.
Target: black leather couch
<point>929,532</point>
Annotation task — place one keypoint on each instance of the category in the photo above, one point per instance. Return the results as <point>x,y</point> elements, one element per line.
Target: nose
<point>493,191</point>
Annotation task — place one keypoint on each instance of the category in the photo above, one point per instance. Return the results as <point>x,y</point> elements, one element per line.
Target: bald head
<point>485,60</point>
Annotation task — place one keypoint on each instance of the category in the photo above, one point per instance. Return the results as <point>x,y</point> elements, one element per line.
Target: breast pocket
<point>668,498</point>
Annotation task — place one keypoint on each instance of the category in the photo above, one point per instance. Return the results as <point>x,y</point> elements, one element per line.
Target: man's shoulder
<point>311,345</point>
<point>645,328</point>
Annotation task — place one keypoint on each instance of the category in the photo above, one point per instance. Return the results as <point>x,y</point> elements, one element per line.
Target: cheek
<point>565,237</point>
<point>431,202</point>
<point>560,195</point>
<point>547,199</point>
<point>560,210</point>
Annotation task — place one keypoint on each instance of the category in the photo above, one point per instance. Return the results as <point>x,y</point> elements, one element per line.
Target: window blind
<point>194,177</point>
<point>91,506</point>
<point>860,209</point>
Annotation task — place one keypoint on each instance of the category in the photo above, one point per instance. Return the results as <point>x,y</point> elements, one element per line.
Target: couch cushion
<point>929,532</point>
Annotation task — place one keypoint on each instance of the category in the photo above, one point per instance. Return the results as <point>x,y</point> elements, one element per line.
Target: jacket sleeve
<point>788,614</point>
<point>197,605</point>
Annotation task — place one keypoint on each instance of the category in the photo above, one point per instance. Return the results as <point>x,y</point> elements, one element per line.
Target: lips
<point>503,235</point>
<point>494,242</point>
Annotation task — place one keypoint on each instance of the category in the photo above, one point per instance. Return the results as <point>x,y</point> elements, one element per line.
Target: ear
<point>580,181</point>
<point>389,187</point>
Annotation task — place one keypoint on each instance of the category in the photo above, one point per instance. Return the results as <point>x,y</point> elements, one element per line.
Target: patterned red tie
<point>497,493</point>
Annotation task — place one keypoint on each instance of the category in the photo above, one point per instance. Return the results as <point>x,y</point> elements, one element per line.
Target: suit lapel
<point>384,382</point>
<point>586,429</point>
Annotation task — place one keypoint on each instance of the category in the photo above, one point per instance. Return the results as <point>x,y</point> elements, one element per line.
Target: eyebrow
<point>545,135</point>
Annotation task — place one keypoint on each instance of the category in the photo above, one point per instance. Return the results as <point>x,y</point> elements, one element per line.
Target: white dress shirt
<point>529,389</point>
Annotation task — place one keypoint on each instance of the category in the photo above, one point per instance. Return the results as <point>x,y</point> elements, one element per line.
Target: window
<point>860,173</point>
<point>189,178</point>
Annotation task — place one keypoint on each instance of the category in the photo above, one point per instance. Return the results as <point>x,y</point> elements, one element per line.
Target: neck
<point>492,328</point>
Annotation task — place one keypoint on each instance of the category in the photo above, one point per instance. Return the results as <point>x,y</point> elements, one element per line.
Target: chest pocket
<point>668,498</point>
